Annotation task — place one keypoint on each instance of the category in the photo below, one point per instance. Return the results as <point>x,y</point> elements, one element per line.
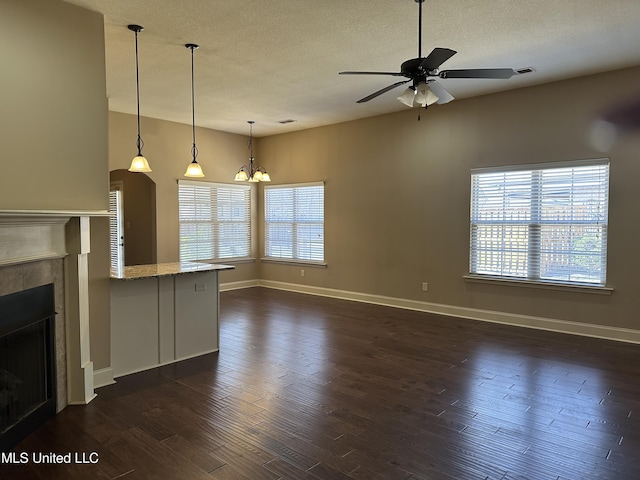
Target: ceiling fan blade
<point>395,74</point>
<point>437,57</point>
<point>478,73</point>
<point>380,92</point>
<point>443,95</point>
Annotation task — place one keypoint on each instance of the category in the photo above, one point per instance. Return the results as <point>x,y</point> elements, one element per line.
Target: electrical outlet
<point>425,286</point>
<point>302,273</point>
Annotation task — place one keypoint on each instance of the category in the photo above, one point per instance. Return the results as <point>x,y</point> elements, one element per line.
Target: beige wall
<point>167,147</point>
<point>397,195</point>
<point>53,125</point>
<point>397,192</point>
<point>53,128</point>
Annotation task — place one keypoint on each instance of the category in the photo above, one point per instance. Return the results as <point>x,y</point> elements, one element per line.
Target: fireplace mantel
<point>32,235</point>
<point>28,236</point>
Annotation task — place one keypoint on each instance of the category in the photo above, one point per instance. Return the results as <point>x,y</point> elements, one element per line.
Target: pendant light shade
<point>250,172</point>
<point>139,163</point>
<point>193,169</point>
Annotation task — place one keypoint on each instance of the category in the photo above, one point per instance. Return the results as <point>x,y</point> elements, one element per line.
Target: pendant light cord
<point>194,149</point>
<point>139,142</point>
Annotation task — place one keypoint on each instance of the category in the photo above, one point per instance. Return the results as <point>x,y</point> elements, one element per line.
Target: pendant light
<point>139,163</point>
<point>249,172</point>
<point>194,169</point>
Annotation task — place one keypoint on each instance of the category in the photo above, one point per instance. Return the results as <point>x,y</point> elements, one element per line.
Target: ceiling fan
<point>424,90</point>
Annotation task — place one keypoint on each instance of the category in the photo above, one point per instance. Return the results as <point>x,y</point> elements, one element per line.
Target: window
<point>543,223</point>
<point>294,222</point>
<point>214,221</point>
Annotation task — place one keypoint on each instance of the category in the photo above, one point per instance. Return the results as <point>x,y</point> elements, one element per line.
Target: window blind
<point>215,221</point>
<point>116,238</point>
<point>294,222</point>
<point>544,222</point>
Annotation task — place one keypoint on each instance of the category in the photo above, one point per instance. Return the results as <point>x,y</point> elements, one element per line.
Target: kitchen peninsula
<point>163,313</point>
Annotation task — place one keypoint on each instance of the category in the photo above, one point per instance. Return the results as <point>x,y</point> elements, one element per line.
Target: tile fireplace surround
<point>41,247</point>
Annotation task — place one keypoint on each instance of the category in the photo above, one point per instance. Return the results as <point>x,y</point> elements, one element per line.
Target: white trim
<point>225,287</point>
<point>103,377</point>
<point>565,287</point>
<point>539,323</point>
<point>293,261</point>
<point>540,166</point>
<point>292,185</point>
<point>217,261</point>
<point>23,215</point>
<point>162,364</point>
<point>214,184</point>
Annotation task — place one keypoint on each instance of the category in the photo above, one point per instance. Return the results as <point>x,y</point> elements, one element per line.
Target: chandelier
<point>251,172</point>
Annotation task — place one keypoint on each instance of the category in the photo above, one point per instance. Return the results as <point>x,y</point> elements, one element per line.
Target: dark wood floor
<point>314,388</point>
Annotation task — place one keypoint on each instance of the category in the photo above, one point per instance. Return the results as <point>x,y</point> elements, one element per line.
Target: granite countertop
<point>133,272</point>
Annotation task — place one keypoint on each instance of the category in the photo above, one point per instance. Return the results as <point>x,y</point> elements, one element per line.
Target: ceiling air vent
<point>521,71</point>
<point>284,122</point>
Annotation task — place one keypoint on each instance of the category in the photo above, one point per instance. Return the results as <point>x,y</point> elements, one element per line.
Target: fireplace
<point>52,247</point>
<point>27,363</point>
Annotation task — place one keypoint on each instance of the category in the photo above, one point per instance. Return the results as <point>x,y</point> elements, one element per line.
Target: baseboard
<point>103,377</point>
<point>163,364</point>
<point>539,323</point>
<point>224,287</point>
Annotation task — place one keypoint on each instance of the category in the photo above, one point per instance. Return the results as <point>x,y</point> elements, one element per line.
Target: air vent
<point>284,122</point>
<point>521,71</point>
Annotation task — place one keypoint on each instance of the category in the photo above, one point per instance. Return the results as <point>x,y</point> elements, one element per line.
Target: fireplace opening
<point>27,363</point>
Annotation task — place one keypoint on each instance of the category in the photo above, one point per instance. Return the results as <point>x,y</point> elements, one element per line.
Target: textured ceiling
<point>276,60</point>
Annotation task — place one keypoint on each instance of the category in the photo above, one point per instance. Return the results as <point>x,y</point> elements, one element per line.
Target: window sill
<point>289,261</point>
<point>577,288</point>
<point>223,261</point>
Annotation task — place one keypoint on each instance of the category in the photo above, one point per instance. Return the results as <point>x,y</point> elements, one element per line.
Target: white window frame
<point>290,221</point>
<point>221,230</point>
<point>543,223</point>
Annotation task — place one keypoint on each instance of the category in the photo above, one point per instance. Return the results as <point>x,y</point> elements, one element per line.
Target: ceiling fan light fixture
<point>408,96</point>
<point>424,95</point>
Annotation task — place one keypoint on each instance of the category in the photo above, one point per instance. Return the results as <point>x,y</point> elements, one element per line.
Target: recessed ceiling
<point>272,61</point>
